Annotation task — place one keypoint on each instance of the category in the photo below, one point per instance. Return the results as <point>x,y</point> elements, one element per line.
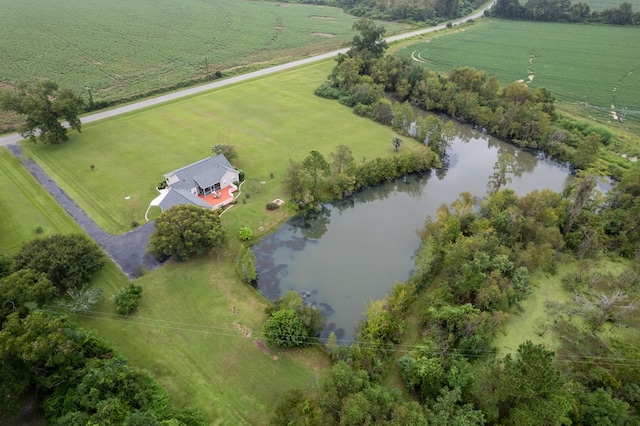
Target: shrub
<point>185,230</point>
<point>272,206</point>
<point>327,91</point>
<point>69,261</point>
<point>128,298</point>
<point>241,175</point>
<point>245,233</point>
<point>246,265</point>
<point>285,329</point>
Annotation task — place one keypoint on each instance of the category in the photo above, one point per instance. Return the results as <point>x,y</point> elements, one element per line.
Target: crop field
<point>609,4</point>
<point>588,68</point>
<point>124,48</point>
<point>268,120</point>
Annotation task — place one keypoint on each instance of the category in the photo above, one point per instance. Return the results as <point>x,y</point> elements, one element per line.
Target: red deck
<point>225,197</point>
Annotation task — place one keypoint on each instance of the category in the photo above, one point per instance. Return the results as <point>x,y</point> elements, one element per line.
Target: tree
<point>587,151</point>
<point>501,171</point>
<point>229,151</point>
<point>397,143</point>
<point>582,189</point>
<point>20,289</point>
<point>525,390</point>
<point>316,166</point>
<point>69,261</point>
<point>44,107</point>
<point>342,160</point>
<point>185,230</point>
<point>298,183</point>
<point>369,44</point>
<point>128,298</point>
<point>285,329</point>
<point>246,265</point>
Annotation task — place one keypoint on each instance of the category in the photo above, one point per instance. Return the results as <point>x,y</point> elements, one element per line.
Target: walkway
<point>128,251</point>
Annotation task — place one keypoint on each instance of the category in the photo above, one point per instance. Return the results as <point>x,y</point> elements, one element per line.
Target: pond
<point>354,251</point>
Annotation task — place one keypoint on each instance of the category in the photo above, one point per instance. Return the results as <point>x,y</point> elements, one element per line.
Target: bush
<point>272,206</point>
<point>185,230</point>
<point>285,329</point>
<point>328,92</point>
<point>128,298</point>
<point>246,265</point>
<point>69,261</point>
<point>241,175</point>
<point>245,233</point>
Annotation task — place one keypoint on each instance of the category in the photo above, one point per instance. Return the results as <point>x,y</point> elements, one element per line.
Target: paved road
<point>13,138</point>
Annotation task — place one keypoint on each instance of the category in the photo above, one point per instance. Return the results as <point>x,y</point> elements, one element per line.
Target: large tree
<point>44,107</point>
<point>185,230</point>
<point>69,261</point>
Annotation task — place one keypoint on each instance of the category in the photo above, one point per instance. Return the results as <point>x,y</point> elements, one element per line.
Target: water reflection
<point>353,251</point>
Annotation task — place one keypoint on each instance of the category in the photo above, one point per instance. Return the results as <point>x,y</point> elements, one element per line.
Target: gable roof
<point>177,196</point>
<point>204,173</point>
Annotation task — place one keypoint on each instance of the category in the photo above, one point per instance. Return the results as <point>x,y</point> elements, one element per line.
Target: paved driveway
<point>128,251</point>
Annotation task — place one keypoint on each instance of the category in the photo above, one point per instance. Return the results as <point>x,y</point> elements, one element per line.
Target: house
<point>208,183</point>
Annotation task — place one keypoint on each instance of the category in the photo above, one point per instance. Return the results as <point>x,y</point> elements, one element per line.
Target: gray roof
<point>204,173</point>
<point>177,196</point>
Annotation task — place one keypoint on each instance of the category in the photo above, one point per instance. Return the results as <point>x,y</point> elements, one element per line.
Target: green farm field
<point>588,68</point>
<point>268,120</point>
<point>609,4</point>
<point>120,49</point>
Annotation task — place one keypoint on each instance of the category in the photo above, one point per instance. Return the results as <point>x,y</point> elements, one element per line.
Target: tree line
<point>563,11</point>
<point>80,378</point>
<point>430,12</point>
<point>474,267</point>
<point>384,88</point>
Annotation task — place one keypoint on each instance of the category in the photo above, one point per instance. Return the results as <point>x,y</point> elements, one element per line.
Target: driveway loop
<point>128,251</point>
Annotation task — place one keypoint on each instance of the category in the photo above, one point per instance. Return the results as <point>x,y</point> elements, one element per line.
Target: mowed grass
<point>122,48</point>
<point>587,67</point>
<point>26,209</point>
<point>185,331</point>
<point>268,120</point>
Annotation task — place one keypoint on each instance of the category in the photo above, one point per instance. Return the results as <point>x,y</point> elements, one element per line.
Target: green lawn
<point>185,331</point>
<point>26,209</point>
<point>587,67</point>
<point>269,120</point>
<point>124,48</point>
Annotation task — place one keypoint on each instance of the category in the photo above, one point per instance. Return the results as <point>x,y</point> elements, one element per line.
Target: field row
<point>589,66</point>
<point>121,48</point>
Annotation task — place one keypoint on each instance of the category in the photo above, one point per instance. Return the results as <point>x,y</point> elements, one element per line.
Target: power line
<point>226,331</point>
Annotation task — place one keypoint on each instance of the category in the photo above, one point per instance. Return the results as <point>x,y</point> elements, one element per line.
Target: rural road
<point>14,137</point>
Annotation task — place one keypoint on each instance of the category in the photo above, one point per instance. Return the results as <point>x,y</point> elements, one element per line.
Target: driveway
<point>128,251</point>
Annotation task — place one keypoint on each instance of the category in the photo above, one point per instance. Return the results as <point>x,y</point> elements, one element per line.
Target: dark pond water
<point>354,251</point>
